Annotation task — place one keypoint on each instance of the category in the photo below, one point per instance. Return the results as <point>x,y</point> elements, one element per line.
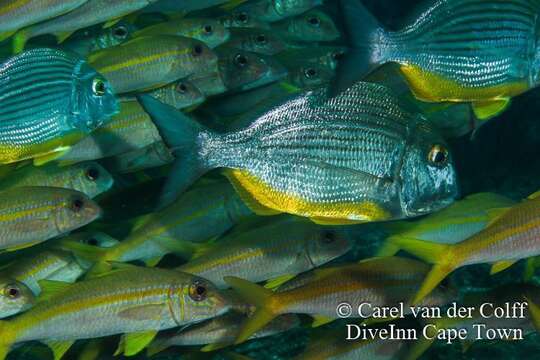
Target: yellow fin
<point>59,348</point>
<point>260,298</point>
<point>276,282</point>
<point>214,346</point>
<point>530,269</point>
<point>184,249</point>
<point>7,35</point>
<point>153,261</point>
<point>425,250</point>
<point>50,288</point>
<point>231,4</point>
<point>288,87</point>
<point>485,110</point>
<point>143,312</point>
<point>331,221</point>
<point>320,320</point>
<point>533,196</point>
<point>62,36</point>
<point>133,343</point>
<point>389,248</point>
<point>111,23</point>
<point>237,178</point>
<point>495,214</point>
<point>19,40</point>
<point>433,278</point>
<point>501,266</point>
<point>23,246</point>
<point>534,311</point>
<point>91,350</point>
<point>42,160</point>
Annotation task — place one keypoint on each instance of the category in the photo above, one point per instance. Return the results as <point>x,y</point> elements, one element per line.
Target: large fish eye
<point>240,60</point>
<point>310,73</point>
<point>77,204</point>
<point>92,174</point>
<point>198,291</point>
<point>120,32</point>
<point>208,29</point>
<point>98,87</point>
<point>328,237</point>
<point>438,155</point>
<point>92,241</point>
<point>12,291</point>
<point>242,17</point>
<point>181,88</point>
<point>314,21</point>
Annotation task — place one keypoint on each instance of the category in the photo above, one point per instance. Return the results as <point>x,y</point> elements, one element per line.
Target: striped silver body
<point>476,43</point>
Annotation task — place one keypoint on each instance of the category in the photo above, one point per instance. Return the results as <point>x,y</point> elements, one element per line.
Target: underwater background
<point>502,157</point>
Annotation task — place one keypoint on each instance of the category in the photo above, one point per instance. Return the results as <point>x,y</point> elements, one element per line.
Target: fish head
<point>117,34</point>
<point>314,25</point>
<point>311,75</point>
<point>92,179</point>
<point>75,210</point>
<point>95,102</point>
<point>200,300</point>
<point>199,57</point>
<point>326,244</point>
<point>260,41</point>
<point>212,32</point>
<point>242,19</point>
<point>428,174</point>
<point>243,70</point>
<point>15,297</point>
<point>186,93</point>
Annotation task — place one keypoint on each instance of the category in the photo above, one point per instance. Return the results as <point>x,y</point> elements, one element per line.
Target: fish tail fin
<point>437,274</point>
<point>183,135</point>
<point>19,40</point>
<point>260,298</point>
<point>389,248</point>
<point>366,36</point>
<point>425,250</point>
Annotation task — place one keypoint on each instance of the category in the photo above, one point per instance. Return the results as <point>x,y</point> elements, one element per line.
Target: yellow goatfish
<point>136,301</point>
<point>510,237</point>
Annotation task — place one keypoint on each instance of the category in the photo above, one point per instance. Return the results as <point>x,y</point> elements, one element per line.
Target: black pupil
<point>13,292</point>
<point>314,21</point>
<point>100,87</point>
<point>200,290</point>
<point>197,50</point>
<point>120,32</point>
<point>440,157</point>
<point>78,204</point>
<point>241,60</point>
<point>92,242</point>
<point>182,88</point>
<point>311,72</point>
<point>208,29</point>
<point>261,39</point>
<point>93,174</point>
<point>242,17</point>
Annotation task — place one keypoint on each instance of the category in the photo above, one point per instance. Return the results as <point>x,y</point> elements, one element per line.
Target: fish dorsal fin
<point>132,343</point>
<point>59,348</point>
<point>50,288</point>
<point>278,281</point>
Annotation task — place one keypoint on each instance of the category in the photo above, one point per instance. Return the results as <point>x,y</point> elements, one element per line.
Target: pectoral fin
<point>51,288</point>
<point>276,282</point>
<point>501,266</point>
<point>59,348</point>
<point>131,344</point>
<point>485,110</point>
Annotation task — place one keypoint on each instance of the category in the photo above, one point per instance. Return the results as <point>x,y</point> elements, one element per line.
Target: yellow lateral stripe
<point>140,61</point>
<point>24,213</point>
<point>10,7</point>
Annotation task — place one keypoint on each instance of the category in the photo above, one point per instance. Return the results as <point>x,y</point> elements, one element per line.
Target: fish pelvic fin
<point>366,37</point>
<point>260,298</point>
<point>184,136</point>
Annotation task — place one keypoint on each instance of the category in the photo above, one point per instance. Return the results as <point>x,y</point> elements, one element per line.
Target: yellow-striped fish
<point>150,62</point>
<point>510,237</point>
<point>136,301</point>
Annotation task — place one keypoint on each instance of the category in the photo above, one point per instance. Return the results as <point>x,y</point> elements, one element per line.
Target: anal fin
<point>485,110</point>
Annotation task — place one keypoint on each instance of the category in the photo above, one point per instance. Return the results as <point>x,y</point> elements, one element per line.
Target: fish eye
<point>181,88</point>
<point>242,17</point>
<point>120,32</point>
<point>438,155</point>
<point>92,241</point>
<point>98,87</point>
<point>198,291</point>
<point>197,50</point>
<point>240,60</point>
<point>208,29</point>
<point>77,204</point>
<point>12,291</point>
<point>328,237</point>
<point>310,73</point>
<point>92,174</point>
<point>261,39</point>
<point>315,21</point>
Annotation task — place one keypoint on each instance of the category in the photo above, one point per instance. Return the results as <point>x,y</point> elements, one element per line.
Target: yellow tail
<point>260,298</point>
